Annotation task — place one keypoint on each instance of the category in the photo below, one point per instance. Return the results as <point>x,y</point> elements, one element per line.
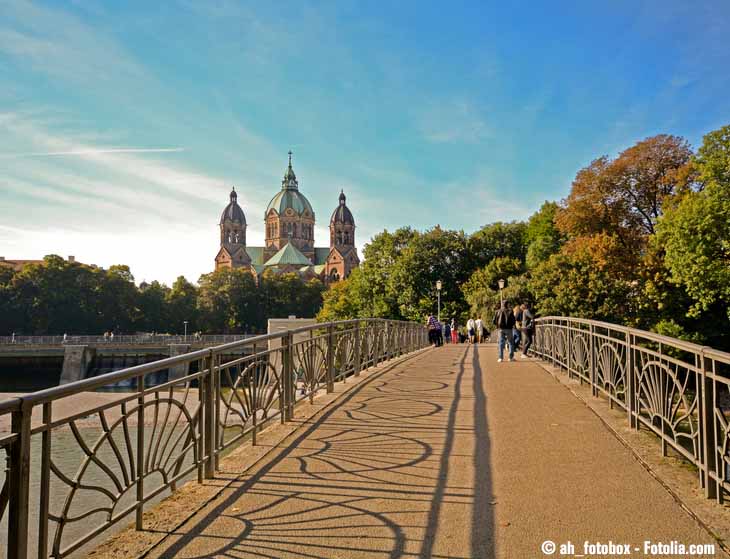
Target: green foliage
<point>481,291</point>
<point>57,296</point>
<point>542,236</point>
<point>588,278</point>
<point>496,240</point>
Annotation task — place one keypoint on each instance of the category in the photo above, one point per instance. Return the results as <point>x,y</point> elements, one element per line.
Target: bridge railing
<point>81,460</point>
<point>135,339</point>
<point>678,390</point>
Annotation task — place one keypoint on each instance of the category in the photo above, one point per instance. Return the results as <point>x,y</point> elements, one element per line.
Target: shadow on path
<point>396,468</point>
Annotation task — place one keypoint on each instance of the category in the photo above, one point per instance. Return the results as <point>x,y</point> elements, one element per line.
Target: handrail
<point>678,390</point>
<point>646,334</point>
<point>176,416</point>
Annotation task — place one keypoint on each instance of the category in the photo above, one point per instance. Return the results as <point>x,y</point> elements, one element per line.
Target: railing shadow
<point>362,479</point>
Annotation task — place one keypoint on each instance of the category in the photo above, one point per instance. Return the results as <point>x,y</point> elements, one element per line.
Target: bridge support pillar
<point>76,361</point>
<point>178,371</point>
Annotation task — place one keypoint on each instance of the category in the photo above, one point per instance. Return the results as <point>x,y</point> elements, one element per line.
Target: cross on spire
<point>289,158</point>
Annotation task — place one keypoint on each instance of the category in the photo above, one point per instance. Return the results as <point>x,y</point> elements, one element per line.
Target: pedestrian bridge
<point>376,447</point>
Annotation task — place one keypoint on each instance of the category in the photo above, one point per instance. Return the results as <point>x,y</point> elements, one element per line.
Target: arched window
<point>334,275</point>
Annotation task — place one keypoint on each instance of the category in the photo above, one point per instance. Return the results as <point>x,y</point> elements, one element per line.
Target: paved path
<point>448,454</point>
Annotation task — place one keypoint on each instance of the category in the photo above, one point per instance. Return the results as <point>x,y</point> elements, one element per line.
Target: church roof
<point>342,213</point>
<point>289,198</point>
<point>256,254</point>
<point>289,195</point>
<point>288,254</point>
<point>233,211</point>
<point>321,254</point>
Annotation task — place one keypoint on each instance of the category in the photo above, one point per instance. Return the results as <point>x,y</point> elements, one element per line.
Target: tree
<point>181,302</point>
<point>495,240</point>
<point>341,301</point>
<point>153,309</point>
<point>436,254</point>
<point>542,236</point>
<point>588,278</point>
<point>227,301</point>
<point>696,232</point>
<point>482,289</point>
<point>625,197</point>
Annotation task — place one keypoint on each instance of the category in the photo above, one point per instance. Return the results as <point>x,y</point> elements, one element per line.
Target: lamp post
<point>501,287</point>
<point>185,322</point>
<point>438,292</point>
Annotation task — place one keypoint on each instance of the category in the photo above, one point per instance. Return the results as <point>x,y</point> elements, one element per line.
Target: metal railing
<point>135,339</point>
<point>135,446</point>
<point>678,390</point>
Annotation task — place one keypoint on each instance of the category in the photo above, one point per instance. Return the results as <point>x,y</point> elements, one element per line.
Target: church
<point>289,221</point>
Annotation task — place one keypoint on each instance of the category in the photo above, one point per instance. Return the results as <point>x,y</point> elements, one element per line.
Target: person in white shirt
<point>479,330</point>
<point>470,329</point>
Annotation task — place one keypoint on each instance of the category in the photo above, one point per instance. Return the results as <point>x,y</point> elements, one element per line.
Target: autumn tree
<point>625,196</point>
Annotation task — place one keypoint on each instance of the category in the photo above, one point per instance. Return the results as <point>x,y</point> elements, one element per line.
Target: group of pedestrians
<point>449,332</point>
<point>475,331</point>
<point>516,326</point>
<point>440,333</point>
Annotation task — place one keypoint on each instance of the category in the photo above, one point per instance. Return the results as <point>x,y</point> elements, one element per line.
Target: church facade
<point>289,247</point>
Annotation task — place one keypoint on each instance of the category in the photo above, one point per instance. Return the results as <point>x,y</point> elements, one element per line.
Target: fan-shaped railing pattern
<point>678,390</point>
<point>124,448</point>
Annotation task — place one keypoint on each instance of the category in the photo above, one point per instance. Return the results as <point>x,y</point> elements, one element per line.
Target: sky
<point>124,125</point>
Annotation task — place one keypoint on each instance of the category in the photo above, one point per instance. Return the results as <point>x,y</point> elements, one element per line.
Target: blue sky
<point>124,125</point>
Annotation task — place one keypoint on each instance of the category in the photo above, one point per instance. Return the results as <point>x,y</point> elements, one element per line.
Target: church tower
<point>343,257</point>
<point>232,253</point>
<point>289,218</point>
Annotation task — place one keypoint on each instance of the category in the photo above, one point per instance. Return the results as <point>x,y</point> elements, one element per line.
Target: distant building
<point>289,221</point>
<point>18,265</point>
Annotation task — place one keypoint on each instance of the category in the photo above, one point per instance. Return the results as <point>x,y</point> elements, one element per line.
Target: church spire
<point>290,179</point>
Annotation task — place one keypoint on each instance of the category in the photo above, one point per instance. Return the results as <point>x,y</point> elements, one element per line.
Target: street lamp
<point>438,291</point>
<point>185,322</point>
<point>501,287</point>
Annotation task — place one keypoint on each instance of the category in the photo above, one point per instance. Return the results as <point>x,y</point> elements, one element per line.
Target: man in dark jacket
<point>528,327</point>
<point>504,320</point>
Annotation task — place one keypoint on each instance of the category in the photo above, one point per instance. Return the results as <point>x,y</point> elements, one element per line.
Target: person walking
<point>447,332</point>
<point>470,327</point>
<point>516,333</point>
<point>528,327</point>
<point>504,321</point>
<point>454,332</point>
<point>432,325</point>
<point>479,329</point>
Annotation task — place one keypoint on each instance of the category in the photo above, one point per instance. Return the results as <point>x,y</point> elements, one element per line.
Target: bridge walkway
<point>447,454</point>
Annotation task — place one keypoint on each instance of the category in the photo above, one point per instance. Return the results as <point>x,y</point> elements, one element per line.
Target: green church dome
<point>289,196</point>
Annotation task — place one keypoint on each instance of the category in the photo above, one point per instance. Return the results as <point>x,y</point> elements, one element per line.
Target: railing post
<point>330,358</point>
<point>19,484</point>
<point>139,512</point>
<point>357,364</point>
<point>568,348</point>
<point>288,384</point>
<point>630,388</point>
<point>708,432</point>
<point>386,341</point>
<point>592,356</point>
<point>215,361</point>
<point>45,481</point>
<point>552,340</point>
<point>208,416</point>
